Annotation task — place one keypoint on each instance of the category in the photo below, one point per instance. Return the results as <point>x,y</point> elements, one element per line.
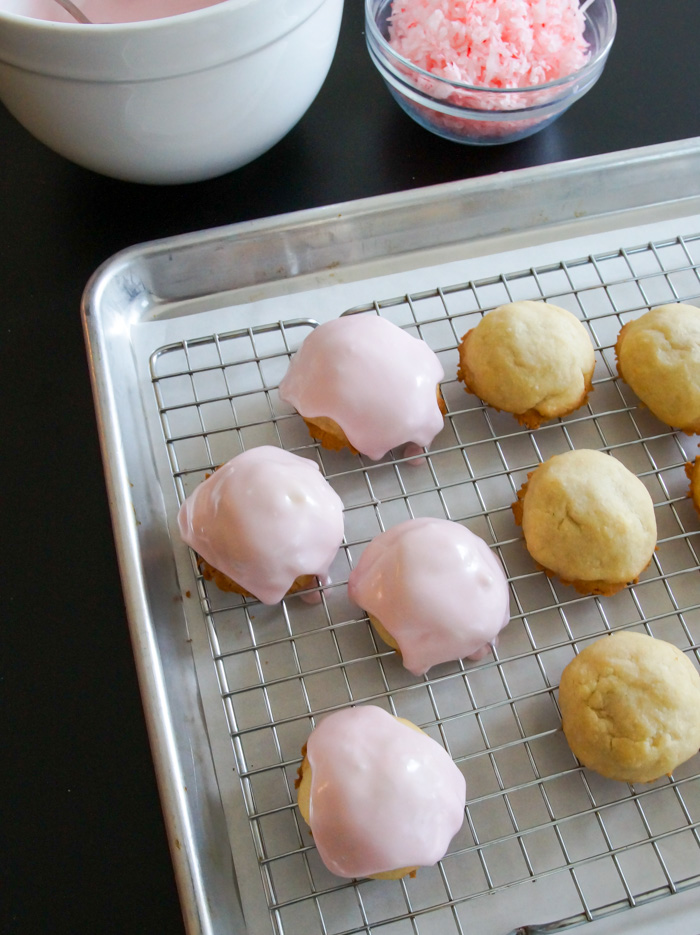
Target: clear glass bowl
<point>485,116</point>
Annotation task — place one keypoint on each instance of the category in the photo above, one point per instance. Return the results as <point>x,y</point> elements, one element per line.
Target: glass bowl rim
<point>378,39</point>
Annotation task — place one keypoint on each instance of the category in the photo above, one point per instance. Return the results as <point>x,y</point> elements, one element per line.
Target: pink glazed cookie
<point>361,382</point>
<point>433,590</point>
<point>380,796</point>
<point>264,524</point>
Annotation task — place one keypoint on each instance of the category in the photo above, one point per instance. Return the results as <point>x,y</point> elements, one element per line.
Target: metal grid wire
<point>593,846</point>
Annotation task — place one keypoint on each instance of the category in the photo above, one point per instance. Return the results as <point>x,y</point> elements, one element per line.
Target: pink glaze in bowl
<point>104,11</point>
<point>485,116</point>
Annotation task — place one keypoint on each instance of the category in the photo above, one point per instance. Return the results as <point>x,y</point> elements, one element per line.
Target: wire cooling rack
<point>534,817</point>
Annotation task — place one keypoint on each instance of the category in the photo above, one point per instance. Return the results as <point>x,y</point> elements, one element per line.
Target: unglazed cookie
<point>587,519</point>
<point>265,523</point>
<point>433,590</point>
<point>658,355</point>
<point>380,796</point>
<point>692,470</point>
<point>630,707</point>
<point>532,359</point>
<point>361,382</point>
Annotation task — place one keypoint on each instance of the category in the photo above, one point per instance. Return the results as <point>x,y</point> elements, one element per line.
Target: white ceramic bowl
<point>169,100</point>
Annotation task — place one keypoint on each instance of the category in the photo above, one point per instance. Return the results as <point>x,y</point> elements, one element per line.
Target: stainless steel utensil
<point>73,10</point>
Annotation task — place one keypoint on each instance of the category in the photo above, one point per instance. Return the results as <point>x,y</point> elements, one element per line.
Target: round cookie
<point>658,356</point>
<point>433,590</point>
<point>532,359</point>
<point>630,707</point>
<point>361,382</point>
<point>380,796</point>
<point>692,470</point>
<point>587,519</point>
<point>266,523</point>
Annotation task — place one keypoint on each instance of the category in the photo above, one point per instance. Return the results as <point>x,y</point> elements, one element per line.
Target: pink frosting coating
<point>264,518</point>
<point>372,378</point>
<point>106,11</point>
<point>383,796</point>
<point>437,588</point>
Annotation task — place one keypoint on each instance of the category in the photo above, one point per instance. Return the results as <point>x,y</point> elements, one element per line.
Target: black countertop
<point>85,846</point>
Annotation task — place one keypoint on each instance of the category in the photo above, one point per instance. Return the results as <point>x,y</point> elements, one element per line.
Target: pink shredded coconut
<point>491,43</point>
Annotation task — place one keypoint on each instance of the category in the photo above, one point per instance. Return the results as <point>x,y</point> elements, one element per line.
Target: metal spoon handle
<point>74,11</point>
<point>548,928</point>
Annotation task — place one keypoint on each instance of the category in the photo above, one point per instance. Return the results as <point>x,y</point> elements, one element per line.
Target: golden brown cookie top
<point>631,707</point>
<point>532,359</point>
<point>588,519</point>
<point>658,355</point>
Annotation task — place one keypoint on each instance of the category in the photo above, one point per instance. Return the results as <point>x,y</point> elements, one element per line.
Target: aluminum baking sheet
<point>188,339</point>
